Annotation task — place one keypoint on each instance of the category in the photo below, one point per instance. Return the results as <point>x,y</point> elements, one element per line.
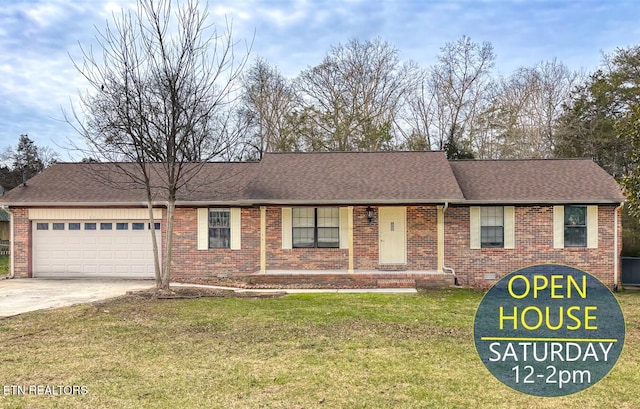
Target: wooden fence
<point>5,247</point>
<point>631,271</point>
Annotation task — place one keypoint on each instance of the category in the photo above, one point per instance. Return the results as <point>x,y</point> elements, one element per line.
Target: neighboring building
<point>4,226</point>
<point>327,219</point>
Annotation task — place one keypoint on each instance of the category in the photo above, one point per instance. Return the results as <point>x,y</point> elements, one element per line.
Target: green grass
<point>4,265</point>
<point>303,351</point>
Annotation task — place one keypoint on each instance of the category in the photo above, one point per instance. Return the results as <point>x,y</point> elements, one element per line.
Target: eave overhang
<point>320,202</point>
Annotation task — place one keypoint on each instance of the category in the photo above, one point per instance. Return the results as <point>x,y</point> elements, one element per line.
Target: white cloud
<point>284,17</point>
<point>117,6</point>
<point>235,13</point>
<point>45,15</point>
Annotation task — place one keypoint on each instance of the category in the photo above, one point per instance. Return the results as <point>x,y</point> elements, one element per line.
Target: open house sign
<point>549,330</point>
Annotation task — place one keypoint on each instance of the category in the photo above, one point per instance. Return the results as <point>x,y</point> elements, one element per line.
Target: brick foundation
<point>345,280</point>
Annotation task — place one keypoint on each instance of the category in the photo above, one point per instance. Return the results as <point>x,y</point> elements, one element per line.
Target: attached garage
<point>100,243</point>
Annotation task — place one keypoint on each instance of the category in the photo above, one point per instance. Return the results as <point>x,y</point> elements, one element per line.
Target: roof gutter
<point>312,202</point>
<point>244,202</point>
<point>542,202</point>
<point>81,204</point>
<point>316,202</point>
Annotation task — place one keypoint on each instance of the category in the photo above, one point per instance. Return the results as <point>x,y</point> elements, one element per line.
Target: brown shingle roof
<point>104,183</point>
<point>536,180</point>
<point>70,183</point>
<point>357,177</point>
<point>339,177</point>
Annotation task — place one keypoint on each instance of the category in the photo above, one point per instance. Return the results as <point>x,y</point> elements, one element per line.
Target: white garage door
<point>95,248</point>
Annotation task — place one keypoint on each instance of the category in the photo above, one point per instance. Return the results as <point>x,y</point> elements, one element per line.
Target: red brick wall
<point>365,239</point>
<point>189,263</point>
<point>421,239</point>
<point>421,245</point>
<point>21,242</point>
<point>533,245</point>
<point>298,259</point>
<point>533,239</point>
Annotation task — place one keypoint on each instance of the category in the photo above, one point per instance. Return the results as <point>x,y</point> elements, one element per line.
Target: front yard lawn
<point>302,351</point>
<point>4,266</point>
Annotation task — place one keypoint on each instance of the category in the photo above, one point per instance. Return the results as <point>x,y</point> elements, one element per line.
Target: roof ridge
<point>520,160</point>
<point>344,152</point>
<point>151,163</point>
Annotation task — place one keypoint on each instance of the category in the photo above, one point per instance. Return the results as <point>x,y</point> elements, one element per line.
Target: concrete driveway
<point>18,296</point>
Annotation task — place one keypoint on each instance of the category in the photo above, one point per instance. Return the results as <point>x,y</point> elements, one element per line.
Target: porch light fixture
<point>370,214</point>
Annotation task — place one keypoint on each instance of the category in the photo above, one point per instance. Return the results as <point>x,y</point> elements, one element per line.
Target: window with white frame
<point>219,229</point>
<point>575,226</point>
<point>491,227</point>
<point>316,227</point>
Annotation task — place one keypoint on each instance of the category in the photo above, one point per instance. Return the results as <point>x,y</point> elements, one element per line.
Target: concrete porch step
<point>343,279</point>
<point>396,283</point>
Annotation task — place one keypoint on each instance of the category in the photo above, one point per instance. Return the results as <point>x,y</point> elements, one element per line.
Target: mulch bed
<point>228,282</point>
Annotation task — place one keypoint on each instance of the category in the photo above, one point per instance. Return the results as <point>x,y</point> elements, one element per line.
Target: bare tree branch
<point>161,94</point>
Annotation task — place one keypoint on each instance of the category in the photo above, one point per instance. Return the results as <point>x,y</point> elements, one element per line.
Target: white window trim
<point>558,227</point>
<point>474,225</point>
<point>235,225</point>
<point>509,223</point>
<point>344,228</point>
<point>508,226</point>
<point>203,228</point>
<point>287,228</point>
<point>592,227</point>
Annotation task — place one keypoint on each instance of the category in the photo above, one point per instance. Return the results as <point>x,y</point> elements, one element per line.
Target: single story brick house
<point>326,219</point>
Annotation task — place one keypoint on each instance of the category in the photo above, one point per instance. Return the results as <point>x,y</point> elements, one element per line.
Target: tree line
<point>362,96</point>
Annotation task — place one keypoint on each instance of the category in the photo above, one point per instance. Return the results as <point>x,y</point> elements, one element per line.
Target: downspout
<point>616,255</point>
<point>445,268</point>
<point>11,252</point>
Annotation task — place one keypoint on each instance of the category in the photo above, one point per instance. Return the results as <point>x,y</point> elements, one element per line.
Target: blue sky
<point>37,79</point>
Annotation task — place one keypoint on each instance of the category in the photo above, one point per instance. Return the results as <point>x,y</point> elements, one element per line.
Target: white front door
<point>392,235</point>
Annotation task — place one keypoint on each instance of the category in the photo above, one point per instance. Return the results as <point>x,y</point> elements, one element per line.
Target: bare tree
<point>163,87</point>
<point>525,110</point>
<point>421,115</point>
<point>352,99</point>
<point>445,108</point>
<point>269,102</point>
